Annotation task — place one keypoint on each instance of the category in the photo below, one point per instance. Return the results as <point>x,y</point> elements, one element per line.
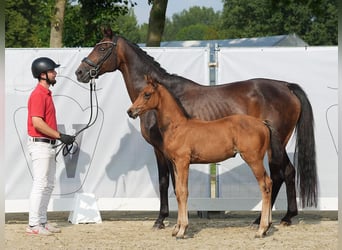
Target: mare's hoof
<point>254,226</point>
<point>285,223</point>
<point>257,221</point>
<point>158,225</point>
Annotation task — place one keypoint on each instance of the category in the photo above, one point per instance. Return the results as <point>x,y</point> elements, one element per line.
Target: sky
<point>142,10</point>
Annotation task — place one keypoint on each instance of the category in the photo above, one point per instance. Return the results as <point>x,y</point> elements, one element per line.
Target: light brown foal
<point>195,141</point>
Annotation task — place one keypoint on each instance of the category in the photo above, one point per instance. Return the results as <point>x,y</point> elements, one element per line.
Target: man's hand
<point>67,139</point>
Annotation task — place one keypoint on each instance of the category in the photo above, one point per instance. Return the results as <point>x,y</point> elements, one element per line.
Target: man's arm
<point>40,125</point>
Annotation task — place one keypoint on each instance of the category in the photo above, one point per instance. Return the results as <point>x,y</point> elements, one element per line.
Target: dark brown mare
<point>189,141</point>
<point>285,105</point>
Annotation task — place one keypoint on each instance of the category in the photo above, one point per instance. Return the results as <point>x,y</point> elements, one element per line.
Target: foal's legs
<point>277,177</point>
<point>265,185</point>
<point>181,176</point>
<point>280,173</point>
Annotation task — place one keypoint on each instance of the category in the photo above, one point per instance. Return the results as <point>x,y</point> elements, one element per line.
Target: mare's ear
<point>107,32</point>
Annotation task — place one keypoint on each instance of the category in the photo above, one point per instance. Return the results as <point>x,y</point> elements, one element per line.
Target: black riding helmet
<point>41,65</point>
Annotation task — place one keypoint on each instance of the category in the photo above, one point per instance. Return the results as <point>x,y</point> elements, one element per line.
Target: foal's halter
<point>93,73</point>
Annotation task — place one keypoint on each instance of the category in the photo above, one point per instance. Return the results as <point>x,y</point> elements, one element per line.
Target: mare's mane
<point>151,67</point>
<point>150,64</point>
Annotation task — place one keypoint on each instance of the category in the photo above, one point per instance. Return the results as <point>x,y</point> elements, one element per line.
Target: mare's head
<point>101,59</point>
<point>147,99</point>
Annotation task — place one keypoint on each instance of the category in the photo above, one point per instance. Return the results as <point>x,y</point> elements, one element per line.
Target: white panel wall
<point>118,166</point>
<point>114,162</point>
<point>315,70</point>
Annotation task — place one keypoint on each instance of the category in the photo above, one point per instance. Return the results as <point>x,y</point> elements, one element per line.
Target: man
<point>42,132</point>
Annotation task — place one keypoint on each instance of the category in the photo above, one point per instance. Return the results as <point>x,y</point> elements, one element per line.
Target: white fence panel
<point>118,166</point>
<point>315,70</point>
<point>114,162</point>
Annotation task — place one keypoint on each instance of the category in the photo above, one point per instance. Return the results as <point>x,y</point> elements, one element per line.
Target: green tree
<point>97,14</point>
<point>143,32</point>
<point>196,32</point>
<point>77,34</point>
<point>57,24</point>
<point>200,23</point>
<point>27,23</point>
<point>156,22</point>
<point>314,21</point>
<point>74,30</point>
<point>127,26</point>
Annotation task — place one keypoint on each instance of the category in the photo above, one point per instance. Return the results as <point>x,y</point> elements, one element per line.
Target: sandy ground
<point>133,230</point>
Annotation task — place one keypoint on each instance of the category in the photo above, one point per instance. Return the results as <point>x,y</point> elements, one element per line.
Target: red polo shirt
<point>41,104</point>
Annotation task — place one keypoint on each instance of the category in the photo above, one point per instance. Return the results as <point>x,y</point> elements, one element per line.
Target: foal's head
<point>147,99</point>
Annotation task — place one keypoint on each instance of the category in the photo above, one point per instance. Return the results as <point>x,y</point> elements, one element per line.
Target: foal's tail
<point>275,144</point>
<point>305,152</point>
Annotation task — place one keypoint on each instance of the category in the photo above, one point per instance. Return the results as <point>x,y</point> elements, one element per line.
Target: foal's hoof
<point>262,232</point>
<point>260,235</point>
<point>178,232</point>
<point>175,231</point>
<point>179,237</point>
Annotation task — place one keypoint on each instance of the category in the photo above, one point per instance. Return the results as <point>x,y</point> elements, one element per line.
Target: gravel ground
<point>133,230</point>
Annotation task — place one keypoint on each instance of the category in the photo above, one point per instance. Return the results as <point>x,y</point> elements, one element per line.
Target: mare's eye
<point>102,48</point>
<point>147,95</point>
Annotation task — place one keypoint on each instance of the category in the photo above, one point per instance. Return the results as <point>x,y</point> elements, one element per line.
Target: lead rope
<point>73,148</point>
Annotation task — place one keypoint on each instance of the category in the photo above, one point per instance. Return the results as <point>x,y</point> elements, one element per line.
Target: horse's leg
<point>277,177</point>
<point>290,175</point>
<point>280,173</point>
<point>163,174</point>
<point>286,172</point>
<point>255,162</point>
<point>181,176</point>
<point>265,185</point>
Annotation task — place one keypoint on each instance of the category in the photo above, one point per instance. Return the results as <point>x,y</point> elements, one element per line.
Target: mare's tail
<point>305,152</point>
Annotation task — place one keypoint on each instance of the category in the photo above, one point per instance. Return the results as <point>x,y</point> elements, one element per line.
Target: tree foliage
<point>128,27</point>
<point>315,21</point>
<point>197,23</point>
<point>28,23</point>
<point>97,14</point>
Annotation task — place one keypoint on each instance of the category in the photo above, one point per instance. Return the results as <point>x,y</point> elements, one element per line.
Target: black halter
<point>73,148</point>
<point>93,73</point>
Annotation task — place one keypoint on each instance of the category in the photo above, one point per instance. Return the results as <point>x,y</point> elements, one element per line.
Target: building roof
<point>291,40</point>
